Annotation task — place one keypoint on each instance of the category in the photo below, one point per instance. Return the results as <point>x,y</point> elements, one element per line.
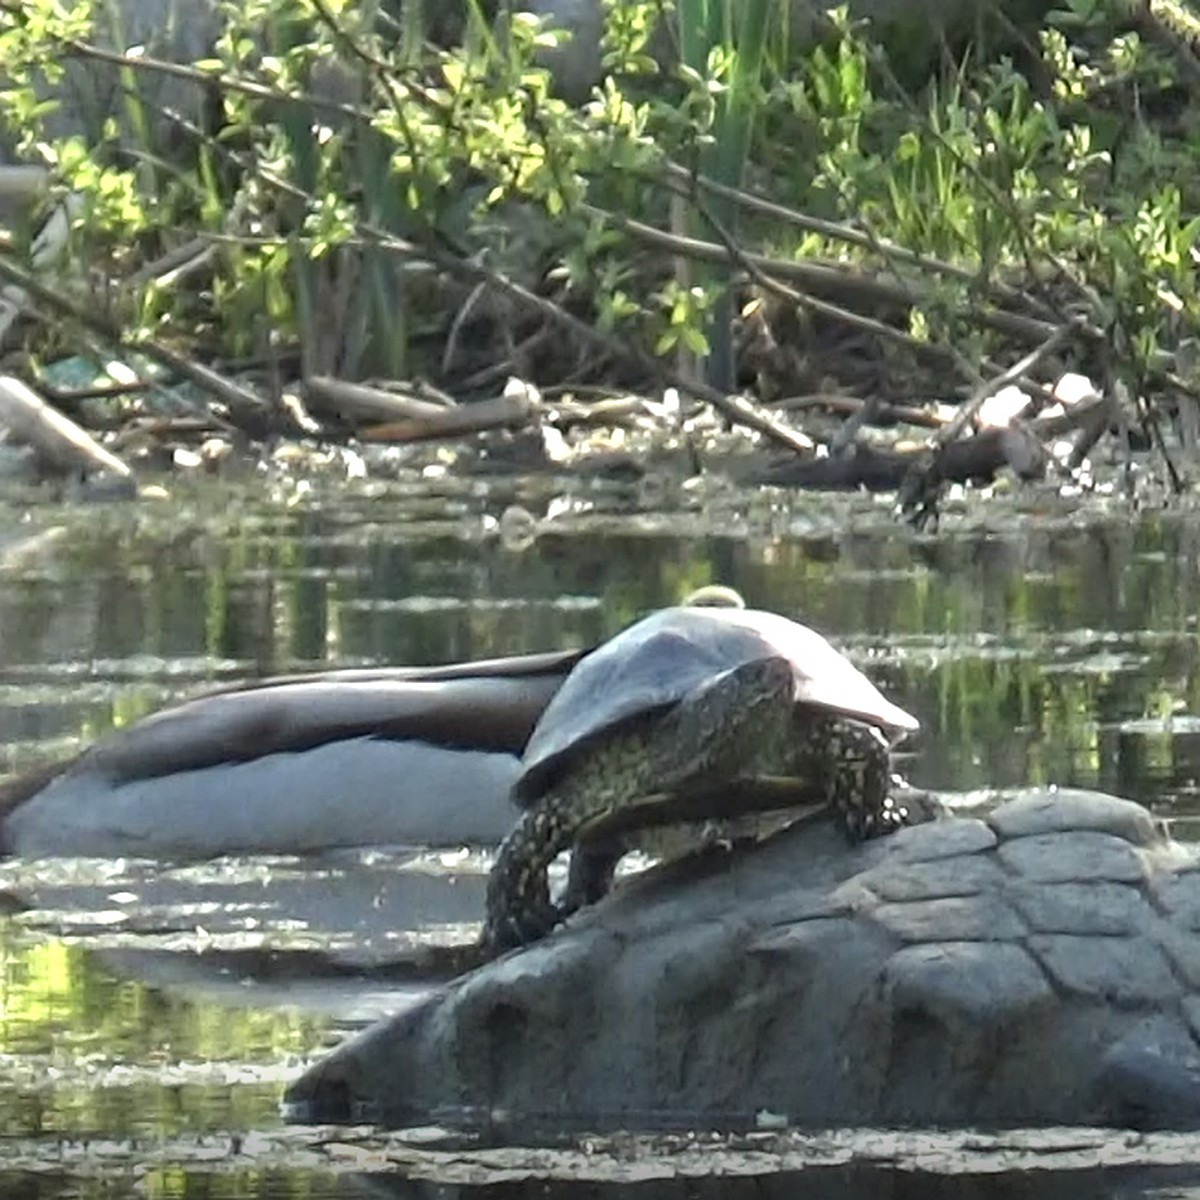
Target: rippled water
<point>1036,644</point>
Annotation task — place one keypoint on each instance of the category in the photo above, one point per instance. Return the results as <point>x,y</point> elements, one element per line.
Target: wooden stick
<point>61,444</point>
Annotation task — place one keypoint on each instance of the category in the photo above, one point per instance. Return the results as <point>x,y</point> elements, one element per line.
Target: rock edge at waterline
<point>1039,966</point>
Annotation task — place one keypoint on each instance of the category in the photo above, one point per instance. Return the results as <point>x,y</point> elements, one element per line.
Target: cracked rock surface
<point>1037,967</point>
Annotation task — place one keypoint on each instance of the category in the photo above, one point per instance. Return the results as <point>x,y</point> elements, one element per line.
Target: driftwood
<point>515,409</point>
<point>355,404</point>
<point>975,459</point>
<point>849,406</point>
<point>62,446</point>
<point>1020,445</point>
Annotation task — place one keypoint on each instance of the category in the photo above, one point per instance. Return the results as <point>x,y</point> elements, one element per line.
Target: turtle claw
<point>892,816</point>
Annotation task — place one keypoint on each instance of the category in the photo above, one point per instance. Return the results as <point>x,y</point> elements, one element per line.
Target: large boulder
<point>1040,966</point>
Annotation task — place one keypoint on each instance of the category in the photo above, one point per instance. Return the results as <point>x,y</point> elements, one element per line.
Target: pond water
<point>149,1017</point>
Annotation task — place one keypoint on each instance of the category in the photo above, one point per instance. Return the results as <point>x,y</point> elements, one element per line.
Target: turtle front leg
<point>519,909</point>
<point>590,878</point>
<point>859,779</point>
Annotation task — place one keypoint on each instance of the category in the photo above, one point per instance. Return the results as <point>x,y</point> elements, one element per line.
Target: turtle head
<point>714,595</point>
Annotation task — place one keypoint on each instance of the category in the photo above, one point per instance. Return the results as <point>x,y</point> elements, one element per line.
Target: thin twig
<point>863,239</point>
<point>823,277</point>
<point>967,411</point>
<point>737,408</point>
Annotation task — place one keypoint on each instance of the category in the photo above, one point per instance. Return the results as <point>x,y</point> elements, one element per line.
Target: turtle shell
<point>654,663</point>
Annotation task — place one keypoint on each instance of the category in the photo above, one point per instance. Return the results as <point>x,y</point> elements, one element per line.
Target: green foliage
<point>723,45</point>
<point>343,144</point>
<point>1014,183</point>
<point>685,310</point>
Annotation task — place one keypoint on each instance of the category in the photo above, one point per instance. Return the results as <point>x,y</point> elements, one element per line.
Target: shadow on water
<point>142,1001</point>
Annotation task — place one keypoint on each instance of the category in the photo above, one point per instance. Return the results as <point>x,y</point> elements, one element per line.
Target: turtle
<point>692,714</point>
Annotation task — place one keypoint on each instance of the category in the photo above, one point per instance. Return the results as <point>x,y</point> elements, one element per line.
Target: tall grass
<point>723,45</point>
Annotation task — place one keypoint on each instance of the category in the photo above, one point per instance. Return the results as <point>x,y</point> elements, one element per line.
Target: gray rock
<point>959,984</point>
<point>954,918</point>
<point>1023,972</point>
<point>925,843</point>
<point>1179,895</point>
<point>1115,970</point>
<point>1095,909</point>
<point>933,879</point>
<point>1182,948</point>
<point>1067,857</point>
<point>1155,1069</point>
<point>1073,811</point>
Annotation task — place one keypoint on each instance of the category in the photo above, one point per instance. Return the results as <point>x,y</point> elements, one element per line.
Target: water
<point>165,1009</point>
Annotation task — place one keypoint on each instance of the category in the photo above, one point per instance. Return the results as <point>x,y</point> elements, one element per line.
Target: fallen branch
<point>515,409</point>
<point>923,485</point>
<point>849,406</point>
<point>62,447</point>
<point>826,281</point>
<point>976,459</point>
<point>356,403</point>
<point>683,181</point>
<point>1020,445</point>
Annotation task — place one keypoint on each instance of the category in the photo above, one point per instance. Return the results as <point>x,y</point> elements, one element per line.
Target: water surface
<point>168,1006</point>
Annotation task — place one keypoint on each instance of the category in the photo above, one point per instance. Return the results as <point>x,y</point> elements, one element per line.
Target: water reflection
<point>84,1053</point>
<point>1036,649</point>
